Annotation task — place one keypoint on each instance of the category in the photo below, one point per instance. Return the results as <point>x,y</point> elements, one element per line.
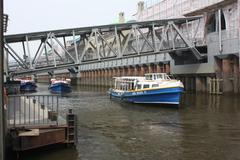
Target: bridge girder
<point>99,43</point>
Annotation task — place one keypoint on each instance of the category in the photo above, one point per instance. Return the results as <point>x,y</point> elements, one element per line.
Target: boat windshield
<point>125,84</point>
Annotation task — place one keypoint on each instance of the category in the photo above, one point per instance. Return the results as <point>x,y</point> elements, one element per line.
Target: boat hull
<point>60,88</point>
<point>154,96</point>
<point>28,87</point>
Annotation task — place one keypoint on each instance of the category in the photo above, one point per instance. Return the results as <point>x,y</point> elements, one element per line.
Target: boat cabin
<point>151,80</point>
<point>125,83</point>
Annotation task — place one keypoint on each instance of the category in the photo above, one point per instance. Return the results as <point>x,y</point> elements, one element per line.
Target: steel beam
<point>64,48</point>
<point>109,42</point>
<point>29,53</point>
<point>188,43</point>
<point>75,47</point>
<point>15,54</point>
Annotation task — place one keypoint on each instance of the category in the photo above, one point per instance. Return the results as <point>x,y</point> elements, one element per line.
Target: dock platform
<point>34,122</point>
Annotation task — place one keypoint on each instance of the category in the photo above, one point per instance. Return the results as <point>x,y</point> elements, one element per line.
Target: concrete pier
<point>104,77</point>
<point>227,75</point>
<point>225,79</point>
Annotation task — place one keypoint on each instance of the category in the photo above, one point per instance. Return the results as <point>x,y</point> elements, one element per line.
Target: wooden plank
<point>30,132</point>
<point>46,137</point>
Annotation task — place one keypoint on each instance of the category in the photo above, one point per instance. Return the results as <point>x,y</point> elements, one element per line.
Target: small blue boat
<point>28,86</point>
<point>154,88</point>
<point>60,86</point>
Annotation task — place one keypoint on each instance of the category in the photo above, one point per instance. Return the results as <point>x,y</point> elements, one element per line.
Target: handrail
<point>29,110</point>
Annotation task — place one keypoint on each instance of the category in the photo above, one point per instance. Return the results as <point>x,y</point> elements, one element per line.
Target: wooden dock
<point>33,126</point>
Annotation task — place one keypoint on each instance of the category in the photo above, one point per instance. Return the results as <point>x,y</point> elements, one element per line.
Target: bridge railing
<point>29,110</point>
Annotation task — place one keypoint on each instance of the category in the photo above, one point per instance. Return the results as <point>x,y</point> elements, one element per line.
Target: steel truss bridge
<point>105,46</point>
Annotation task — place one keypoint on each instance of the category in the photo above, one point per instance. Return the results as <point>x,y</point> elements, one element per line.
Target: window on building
<point>223,22</point>
<point>212,24</point>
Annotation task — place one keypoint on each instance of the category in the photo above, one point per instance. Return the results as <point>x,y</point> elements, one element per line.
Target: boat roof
<point>155,74</point>
<point>129,77</point>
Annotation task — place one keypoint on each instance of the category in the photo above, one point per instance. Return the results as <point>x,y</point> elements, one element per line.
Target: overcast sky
<point>40,15</point>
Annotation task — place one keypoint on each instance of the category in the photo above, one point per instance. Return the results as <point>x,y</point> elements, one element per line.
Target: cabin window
<point>159,76</point>
<point>146,86</point>
<point>155,86</point>
<point>139,86</point>
<point>149,77</point>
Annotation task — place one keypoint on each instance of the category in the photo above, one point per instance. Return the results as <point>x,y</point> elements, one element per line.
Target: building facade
<point>218,31</point>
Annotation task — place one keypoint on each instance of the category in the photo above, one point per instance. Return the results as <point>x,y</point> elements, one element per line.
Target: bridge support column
<point>155,68</point>
<point>110,77</point>
<point>91,78</point>
<point>97,77</point>
<point>167,68</point>
<point>142,70</point>
<point>118,74</point>
<point>108,82</point>
<point>102,76</point>
<point>187,84</point>
<point>82,77</point>
<point>125,71</point>
<point>158,68</point>
<point>150,68</point>
<point>236,75</point>
<point>193,84</point>
<point>114,72</point>
<point>85,77</point>
<point>131,71</point>
<point>122,71</point>
<point>227,75</point>
<point>201,84</point>
<point>136,70</point>
<point>105,78</point>
<point>75,78</point>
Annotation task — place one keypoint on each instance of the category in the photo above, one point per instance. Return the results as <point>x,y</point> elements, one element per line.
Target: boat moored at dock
<point>27,85</point>
<point>156,88</point>
<point>60,86</point>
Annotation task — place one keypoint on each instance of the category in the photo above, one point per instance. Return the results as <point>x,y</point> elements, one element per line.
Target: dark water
<point>204,127</point>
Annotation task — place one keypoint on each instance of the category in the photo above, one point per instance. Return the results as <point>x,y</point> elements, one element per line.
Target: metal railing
<point>26,110</point>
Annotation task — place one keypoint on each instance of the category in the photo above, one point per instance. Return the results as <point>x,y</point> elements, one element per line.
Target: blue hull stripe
<point>28,86</point>
<point>60,88</point>
<point>165,96</point>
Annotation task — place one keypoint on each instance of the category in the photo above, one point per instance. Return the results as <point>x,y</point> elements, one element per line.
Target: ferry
<point>60,86</point>
<point>154,88</point>
<point>27,85</point>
